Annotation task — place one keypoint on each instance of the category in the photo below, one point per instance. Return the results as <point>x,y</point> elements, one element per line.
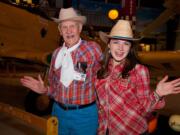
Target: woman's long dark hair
<point>130,62</point>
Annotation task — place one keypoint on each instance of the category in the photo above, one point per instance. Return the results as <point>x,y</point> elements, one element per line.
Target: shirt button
<point>102,102</point>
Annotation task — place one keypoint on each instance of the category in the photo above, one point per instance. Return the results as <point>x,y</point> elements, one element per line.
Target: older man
<point>71,78</point>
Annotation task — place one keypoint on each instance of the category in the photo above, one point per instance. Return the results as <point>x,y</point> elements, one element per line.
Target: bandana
<point>64,60</point>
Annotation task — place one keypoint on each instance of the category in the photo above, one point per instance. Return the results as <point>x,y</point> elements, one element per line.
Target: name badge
<point>79,76</point>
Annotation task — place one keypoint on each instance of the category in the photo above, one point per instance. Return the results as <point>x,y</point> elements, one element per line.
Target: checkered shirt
<point>125,103</point>
<point>78,92</point>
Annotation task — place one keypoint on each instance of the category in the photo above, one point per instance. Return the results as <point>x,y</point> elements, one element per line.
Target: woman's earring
<point>109,51</point>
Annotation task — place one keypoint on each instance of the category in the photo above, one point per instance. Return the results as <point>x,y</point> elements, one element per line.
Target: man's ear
<point>80,27</point>
<point>60,32</point>
<point>59,28</point>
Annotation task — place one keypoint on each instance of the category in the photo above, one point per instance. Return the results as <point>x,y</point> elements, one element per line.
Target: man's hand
<point>36,85</point>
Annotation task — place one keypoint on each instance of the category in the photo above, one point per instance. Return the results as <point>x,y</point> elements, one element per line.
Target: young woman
<point>123,86</point>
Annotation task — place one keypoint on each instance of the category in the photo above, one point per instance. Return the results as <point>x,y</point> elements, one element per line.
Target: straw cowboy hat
<point>69,14</point>
<point>121,30</point>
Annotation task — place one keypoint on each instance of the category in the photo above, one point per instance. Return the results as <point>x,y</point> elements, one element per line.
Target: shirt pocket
<point>120,85</point>
<point>124,83</point>
<point>81,66</point>
<point>131,101</point>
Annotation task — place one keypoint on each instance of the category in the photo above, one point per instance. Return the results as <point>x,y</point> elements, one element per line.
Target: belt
<point>74,107</point>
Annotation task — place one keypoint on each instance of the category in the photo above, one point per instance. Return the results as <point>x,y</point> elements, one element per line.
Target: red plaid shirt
<point>78,92</point>
<point>125,103</point>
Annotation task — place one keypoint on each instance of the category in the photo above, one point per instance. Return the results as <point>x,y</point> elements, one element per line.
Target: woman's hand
<point>36,85</point>
<point>165,88</point>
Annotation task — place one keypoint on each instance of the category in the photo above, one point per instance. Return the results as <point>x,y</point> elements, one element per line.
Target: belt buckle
<point>71,108</point>
<point>66,108</point>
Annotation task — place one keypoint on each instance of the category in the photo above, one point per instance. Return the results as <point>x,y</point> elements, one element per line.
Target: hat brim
<point>81,19</point>
<point>105,37</point>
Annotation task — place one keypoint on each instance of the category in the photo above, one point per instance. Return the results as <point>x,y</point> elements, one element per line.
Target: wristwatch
<point>157,97</point>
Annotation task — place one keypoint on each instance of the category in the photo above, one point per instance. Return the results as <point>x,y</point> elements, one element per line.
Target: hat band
<point>121,37</point>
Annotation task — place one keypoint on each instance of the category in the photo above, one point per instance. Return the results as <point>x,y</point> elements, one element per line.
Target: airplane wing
<point>162,63</point>
<point>24,35</point>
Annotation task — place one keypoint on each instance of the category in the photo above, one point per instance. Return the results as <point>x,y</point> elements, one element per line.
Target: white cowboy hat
<point>69,14</point>
<point>121,30</point>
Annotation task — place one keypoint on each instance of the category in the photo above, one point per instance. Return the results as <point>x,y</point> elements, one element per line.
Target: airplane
<point>35,35</point>
<point>26,44</point>
<point>27,41</point>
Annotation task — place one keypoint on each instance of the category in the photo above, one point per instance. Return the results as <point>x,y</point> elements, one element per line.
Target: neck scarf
<point>64,60</point>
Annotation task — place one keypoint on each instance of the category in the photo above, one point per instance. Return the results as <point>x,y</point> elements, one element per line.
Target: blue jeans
<point>76,122</point>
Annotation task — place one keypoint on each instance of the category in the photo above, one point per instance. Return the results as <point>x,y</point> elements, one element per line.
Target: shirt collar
<point>74,46</point>
<point>118,67</point>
